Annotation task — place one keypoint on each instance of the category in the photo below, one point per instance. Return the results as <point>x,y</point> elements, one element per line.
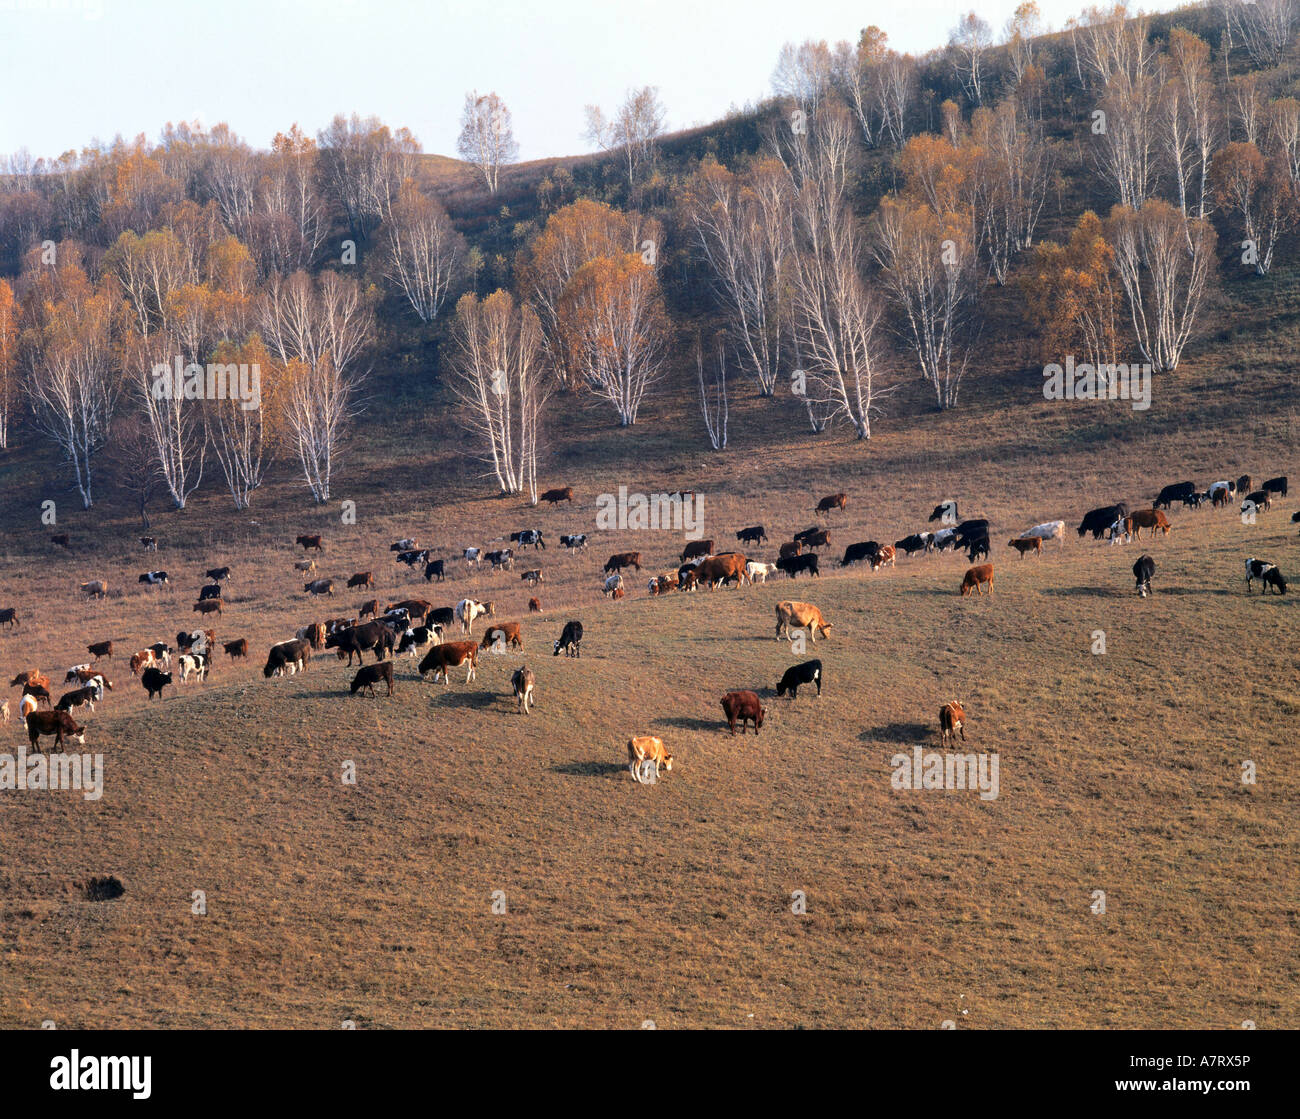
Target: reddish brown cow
<point>235,649</point>
<point>952,722</point>
<point>309,542</point>
<point>1031,544</point>
<point>722,569</point>
<point>101,649</point>
<point>834,501</point>
<point>697,548</point>
<point>1153,519</point>
<point>745,707</point>
<point>977,577</point>
<point>501,635</point>
<point>621,560</point>
<point>451,654</point>
<point>556,496</point>
<point>534,606</point>
<point>361,579</point>
<point>208,606</point>
<point>370,609</point>
<point>57,723</point>
<point>790,548</point>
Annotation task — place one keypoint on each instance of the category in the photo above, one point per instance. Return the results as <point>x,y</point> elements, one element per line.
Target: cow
<point>529,537</point>
<point>451,654</point>
<point>62,540</point>
<point>810,540</point>
<point>977,577</point>
<point>806,672</point>
<point>611,584</point>
<point>369,609</point>
<point>26,705</point>
<point>911,544</point>
<point>31,676</point>
<point>472,556</point>
<point>310,542</point>
<point>952,722</point>
<point>9,616</point>
<point>361,579</point>
<point>1261,499</point>
<point>1152,519</point>
<point>532,578</point>
<point>196,641</point>
<point>40,692</point>
<point>755,534</point>
<point>885,556</point>
<point>1022,545</point>
<point>162,652</point>
<point>1143,570</point>
<point>1050,530</point>
<point>743,707</point>
<point>648,747</point>
<point>789,548</point>
<point>806,535</point>
<point>758,572</point>
<point>686,579</point>
<point>314,634</point>
<point>1221,496</point>
<point>467,609</point>
<point>57,723</point>
<point>443,616</point>
<point>403,545</point>
<point>534,606</point>
<point>153,578</point>
<point>218,574</point>
<point>81,697</point>
<point>976,547</point>
<point>967,531</point>
<point>141,660</point>
<point>307,567</point>
<point>417,608</point>
<point>319,587</point>
<point>236,649</point>
<point>838,501</point>
<point>1276,485</point>
<point>554,497</point>
<point>617,593</point>
<point>1098,520</point>
<point>74,672</point>
<point>501,635</point>
<point>792,565</point>
<point>1267,574</point>
<point>193,665</point>
<point>574,541</point>
<point>1245,484</point>
<point>945,512</point>
<point>94,678</point>
<point>570,642</point>
<point>208,606</point>
<point>101,649</point>
<point>863,550</point>
<point>793,616</point>
<point>1178,491</point>
<point>432,568</point>
<point>150,543</point>
<point>620,560</point>
<point>696,548</point>
<point>502,559</point>
<point>729,566</point>
<point>291,655</point>
<point>414,642</point>
<point>212,590</point>
<point>96,588</point>
<point>354,641</point>
<point>371,674</point>
<point>522,683</point>
<point>414,557</point>
<point>155,680</point>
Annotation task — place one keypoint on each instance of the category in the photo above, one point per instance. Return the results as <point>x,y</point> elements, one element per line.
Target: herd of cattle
<point>415,627</point>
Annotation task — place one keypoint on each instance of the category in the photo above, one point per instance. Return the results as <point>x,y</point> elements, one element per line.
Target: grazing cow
<point>731,565</point>
<point>570,641</point>
<point>501,635</point>
<point>101,649</point>
<point>193,665</point>
<point>1261,499</point>
<point>976,547</point>
<point>967,531</point>
<point>218,574</point>
<point>743,707</point>
<point>1152,519</point>
<point>40,692</point>
<point>952,722</point>
<point>417,608</point>
<point>415,641</point>
<point>838,501</point>
<point>9,616</point>
<point>1245,484</point>
<point>758,572</point>
<point>1267,574</point>
<point>319,586</point>
<point>534,606</point>
<point>1050,530</point>
<point>236,649</point>
<point>432,568</point>
<point>467,609</point>
<point>31,676</point>
<point>789,548</point>
<point>314,634</point>
<point>57,723</point>
<point>361,579</point>
<point>310,542</point>
<point>977,577</point>
<point>696,548</point>
<point>292,656</point>
<point>807,672</point>
<point>885,555</point>
<point>621,560</point>
<point>150,543</point>
<point>554,497</point>
<point>1022,545</point>
<point>1098,520</point>
<point>522,683</point>
<point>806,535</point>
<point>154,681</point>
<point>354,641</point>
<point>1227,487</point>
<point>413,557</point>
<point>574,541</point>
<point>307,567</point>
<point>863,550</point>
<point>794,616</point>
<point>451,654</point>
<point>617,593</point>
<point>403,545</point>
<point>208,606</point>
<point>196,641</point>
<point>945,511</point>
<point>529,537</point>
<point>816,539</point>
<point>372,674</point>
<point>212,590</point>
<point>1178,491</point>
<point>501,559</point>
<point>792,565</point>
<point>96,588</point>
<point>686,579</point>
<point>74,673</point>
<point>153,578</point>
<point>26,705</point>
<point>532,578</point>
<point>756,534</point>
<point>1276,485</point>
<point>441,615</point>
<point>1143,570</point>
<point>369,609</point>
<point>910,544</point>
<point>612,584</point>
<point>141,660</point>
<point>1220,497</point>
<point>648,747</point>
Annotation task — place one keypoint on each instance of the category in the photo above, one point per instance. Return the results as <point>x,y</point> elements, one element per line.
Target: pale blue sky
<point>77,70</point>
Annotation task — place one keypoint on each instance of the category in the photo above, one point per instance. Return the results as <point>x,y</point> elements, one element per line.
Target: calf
<point>574,541</point>
<point>570,641</point>
<point>792,565</point>
<point>885,555</point>
<point>415,641</point>
<point>743,707</point>
<point>307,567</point>
<point>369,609</point>
<point>612,583</point>
<point>101,649</point>
<point>74,673</point>
<point>57,723</point>
<point>361,579</point>
<point>212,590</point>
<point>1022,545</point>
<point>978,546</point>
<point>756,534</point>
<point>976,578</point>
<point>154,681</point>
<point>838,501</point>
<point>236,649</point>
<point>952,722</point>
<point>532,578</point>
<point>372,674</point>
<point>310,542</point>
<point>757,572</point>
<point>150,543</point>
<point>441,658</point>
<point>153,578</point>
<point>522,683</point>
<point>620,560</point>
<point>1143,569</point>
<point>354,642</point>
<point>788,549</point>
<point>193,666</point>
<point>945,512</point>
<point>648,747</point>
<point>143,659</point>
<point>807,672</point>
<point>208,606</point>
<point>534,606</point>
<point>1262,499</point>
<point>467,609</point>
<point>432,568</point>
<point>1267,574</point>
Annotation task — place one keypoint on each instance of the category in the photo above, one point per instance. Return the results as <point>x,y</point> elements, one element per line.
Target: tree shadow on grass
<point>589,769</point>
<point>898,732</point>
<point>687,722</point>
<point>476,701</point>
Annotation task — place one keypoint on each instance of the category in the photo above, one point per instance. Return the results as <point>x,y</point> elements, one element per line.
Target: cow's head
<point>762,711</point>
<point>668,762</point>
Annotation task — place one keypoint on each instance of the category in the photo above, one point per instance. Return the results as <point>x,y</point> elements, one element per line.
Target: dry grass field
<point>672,903</point>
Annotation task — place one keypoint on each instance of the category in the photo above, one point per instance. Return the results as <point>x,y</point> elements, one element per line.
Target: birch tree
<point>243,439</point>
<point>423,255</point>
<point>8,360</point>
<point>174,422</point>
<point>487,136</point>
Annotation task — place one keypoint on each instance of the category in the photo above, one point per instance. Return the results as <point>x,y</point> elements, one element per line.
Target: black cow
<point>967,531</point>
<point>1266,573</point>
<point>154,578</point>
<point>807,534</point>
<point>570,640</point>
<point>413,557</point>
<point>792,565</point>
<point>212,590</point>
<point>1179,491</point>
<point>1276,485</point>
<point>441,616</point>
<point>574,541</point>
<point>808,672</point>
<point>1097,521</point>
<point>754,535</point>
<point>1143,570</point>
<point>527,537</point>
<point>218,574</point>
<point>372,674</point>
<point>976,547</point>
<point>945,511</point>
<point>863,550</point>
<point>154,681</point>
<point>432,568</point>
<point>909,544</point>
<point>357,639</point>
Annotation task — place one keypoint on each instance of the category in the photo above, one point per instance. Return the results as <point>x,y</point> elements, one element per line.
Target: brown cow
<point>1146,518</point>
<point>817,539</point>
<point>31,676</point>
<point>722,569</point>
<point>307,567</point>
<point>952,722</point>
<point>834,501</point>
<point>236,649</point>
<point>314,634</point>
<point>1030,544</point>
<point>451,654</point>
<point>208,606</point>
<point>418,608</point>
<point>697,548</point>
<point>96,588</point>
<point>361,579</point>
<point>884,555</point>
<point>745,707</point>
<point>39,692</point>
<point>534,606</point>
<point>621,560</point>
<point>372,674</point>
<point>648,747</point>
<point>976,577</point>
<point>556,496</point>
<point>309,542</point>
<point>143,659</point>
<point>101,649</point>
<point>793,616</point>
<point>86,675</point>
<point>57,723</point>
<point>790,548</point>
<point>501,635</point>
<point>370,609</point>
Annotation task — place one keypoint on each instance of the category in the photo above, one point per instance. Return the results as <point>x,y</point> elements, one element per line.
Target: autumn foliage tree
<point>423,255</point>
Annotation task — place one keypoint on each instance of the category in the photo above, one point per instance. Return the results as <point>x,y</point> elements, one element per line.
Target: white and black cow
<point>472,556</point>
<point>574,541</point>
<point>154,578</point>
<point>1266,573</point>
<point>528,538</point>
<point>1143,570</point>
<point>503,559</point>
<point>415,642</point>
